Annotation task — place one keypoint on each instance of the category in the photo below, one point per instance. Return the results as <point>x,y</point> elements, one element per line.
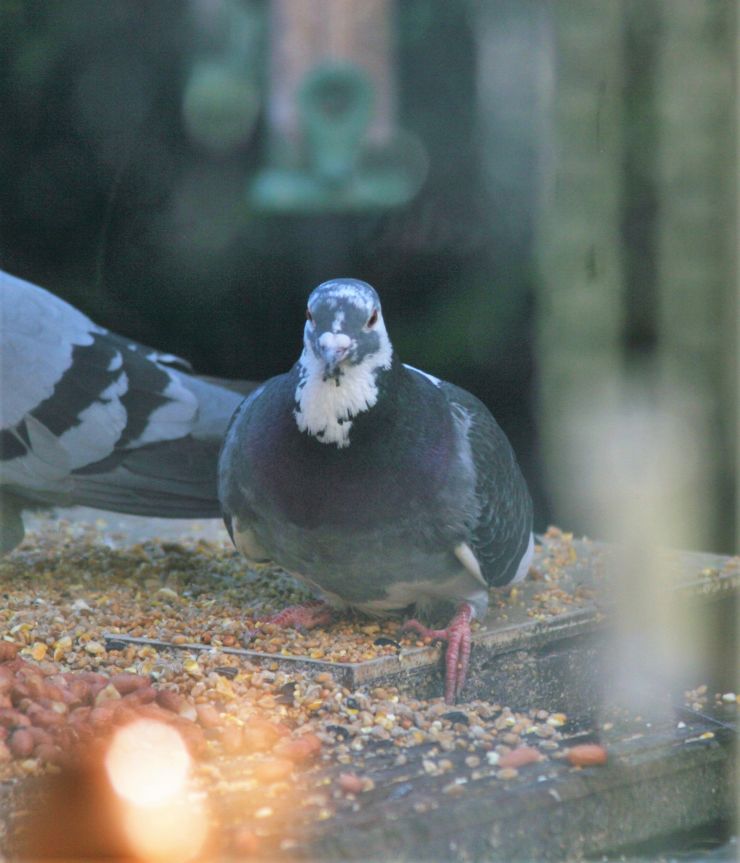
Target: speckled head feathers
<point>344,323</point>
<point>335,291</point>
<point>345,348</point>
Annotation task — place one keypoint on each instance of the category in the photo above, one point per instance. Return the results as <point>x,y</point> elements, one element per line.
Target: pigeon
<point>384,489</point>
<point>89,417</point>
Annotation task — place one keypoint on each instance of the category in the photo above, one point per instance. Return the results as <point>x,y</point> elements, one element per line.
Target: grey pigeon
<point>381,487</point>
<point>88,417</point>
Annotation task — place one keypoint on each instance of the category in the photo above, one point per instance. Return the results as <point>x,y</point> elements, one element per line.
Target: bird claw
<point>458,638</point>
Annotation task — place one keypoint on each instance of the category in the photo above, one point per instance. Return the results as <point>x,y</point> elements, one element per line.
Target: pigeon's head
<point>346,353</point>
<point>345,328</point>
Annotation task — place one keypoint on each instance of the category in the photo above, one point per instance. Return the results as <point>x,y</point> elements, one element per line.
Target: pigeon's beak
<point>334,350</point>
<point>334,356</point>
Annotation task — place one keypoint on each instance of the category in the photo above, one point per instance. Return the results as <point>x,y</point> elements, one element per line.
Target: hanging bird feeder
<point>221,97</point>
<point>333,144</point>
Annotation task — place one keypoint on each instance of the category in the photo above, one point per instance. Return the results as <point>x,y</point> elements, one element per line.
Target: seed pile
<point>194,592</point>
<point>54,718</point>
<point>258,734</point>
<point>275,751</point>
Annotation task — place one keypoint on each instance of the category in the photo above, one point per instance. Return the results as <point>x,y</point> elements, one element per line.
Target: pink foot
<point>457,636</point>
<point>304,616</point>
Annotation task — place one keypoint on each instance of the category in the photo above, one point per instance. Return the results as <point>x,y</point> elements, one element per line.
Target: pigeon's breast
<point>359,488</point>
<point>365,522</point>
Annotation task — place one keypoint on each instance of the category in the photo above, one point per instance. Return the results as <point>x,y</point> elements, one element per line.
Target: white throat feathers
<point>326,405</point>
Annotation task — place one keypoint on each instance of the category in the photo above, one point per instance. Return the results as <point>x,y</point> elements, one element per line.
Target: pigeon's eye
<point>372,320</point>
<point>309,316</point>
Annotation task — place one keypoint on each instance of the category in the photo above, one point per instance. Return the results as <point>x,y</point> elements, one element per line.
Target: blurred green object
<point>335,107</point>
<point>222,96</point>
<point>637,238</point>
<point>333,167</point>
<point>220,106</point>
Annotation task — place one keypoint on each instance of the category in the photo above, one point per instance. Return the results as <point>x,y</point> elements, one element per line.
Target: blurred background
<point>544,193</point>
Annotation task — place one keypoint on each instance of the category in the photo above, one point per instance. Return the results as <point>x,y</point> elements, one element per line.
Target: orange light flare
<point>263,784</point>
<point>149,770</point>
<point>136,794</point>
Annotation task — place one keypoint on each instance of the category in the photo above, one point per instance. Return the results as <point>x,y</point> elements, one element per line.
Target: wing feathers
<point>502,523</point>
<point>88,417</point>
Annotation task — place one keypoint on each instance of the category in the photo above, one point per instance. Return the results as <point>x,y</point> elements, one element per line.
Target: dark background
<point>108,199</point>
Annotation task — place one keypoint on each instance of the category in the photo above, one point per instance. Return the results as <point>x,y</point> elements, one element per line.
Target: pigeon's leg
<point>457,636</point>
<point>305,616</point>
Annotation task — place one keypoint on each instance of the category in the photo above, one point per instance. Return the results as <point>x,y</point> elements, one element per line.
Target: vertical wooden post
<point>580,311</point>
<point>697,278</point>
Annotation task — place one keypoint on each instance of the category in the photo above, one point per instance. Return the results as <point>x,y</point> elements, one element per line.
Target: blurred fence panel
<point>580,304</point>
<point>697,226</point>
<point>644,166</point>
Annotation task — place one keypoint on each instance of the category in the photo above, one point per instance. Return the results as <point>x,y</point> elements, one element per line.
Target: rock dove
<point>88,417</point>
<point>381,487</point>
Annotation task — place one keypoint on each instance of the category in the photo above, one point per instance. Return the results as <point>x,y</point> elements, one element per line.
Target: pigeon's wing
<point>88,417</point>
<point>165,462</point>
<point>236,508</point>
<point>60,384</point>
<point>501,529</point>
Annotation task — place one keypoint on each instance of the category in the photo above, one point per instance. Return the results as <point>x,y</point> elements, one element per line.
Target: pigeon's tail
<point>173,479</point>
<point>242,388</point>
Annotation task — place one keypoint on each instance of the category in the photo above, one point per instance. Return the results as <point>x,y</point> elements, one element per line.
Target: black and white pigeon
<point>380,486</point>
<point>89,417</point>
